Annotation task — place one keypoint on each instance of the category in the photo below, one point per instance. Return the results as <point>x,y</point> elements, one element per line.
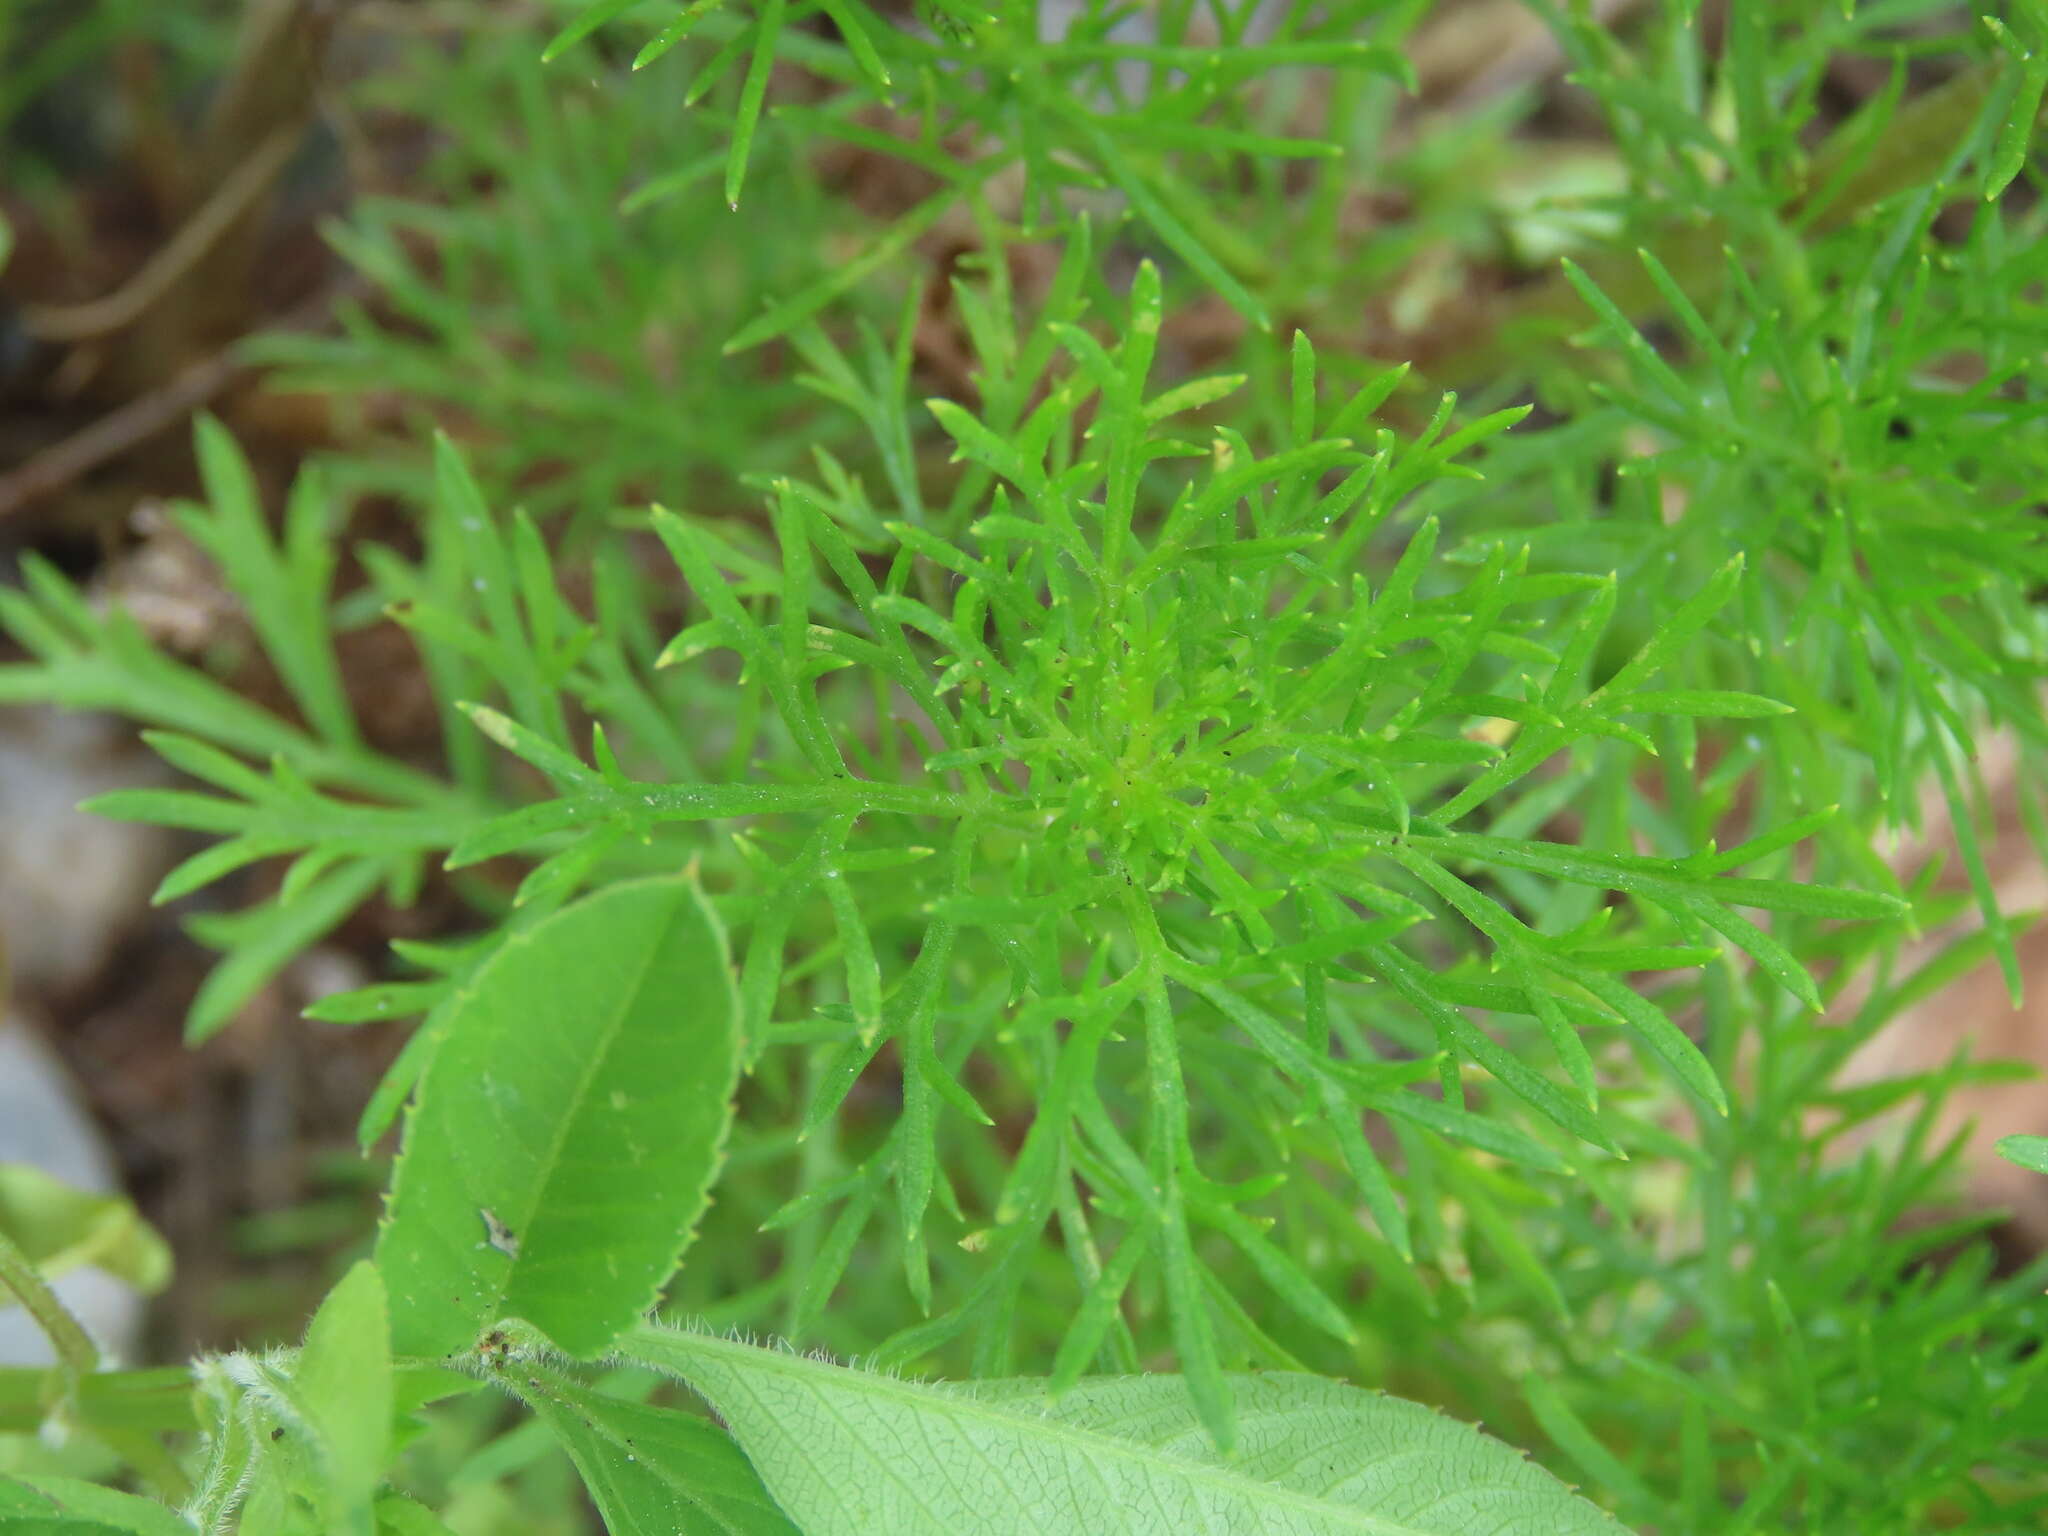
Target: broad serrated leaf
<point>848,1453</point>
<point>654,1471</point>
<point>344,1379</point>
<point>66,1506</point>
<point>568,1126</point>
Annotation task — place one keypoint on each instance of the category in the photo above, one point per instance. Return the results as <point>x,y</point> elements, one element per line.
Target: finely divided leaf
<point>848,1453</point>
<point>582,24</point>
<point>568,1126</point>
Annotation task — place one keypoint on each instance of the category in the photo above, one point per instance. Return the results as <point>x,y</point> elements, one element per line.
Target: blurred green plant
<point>530,287</point>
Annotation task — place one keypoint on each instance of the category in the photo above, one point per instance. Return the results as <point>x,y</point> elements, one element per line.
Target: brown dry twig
<point>233,198</point>
<point>120,430</point>
<point>116,432</point>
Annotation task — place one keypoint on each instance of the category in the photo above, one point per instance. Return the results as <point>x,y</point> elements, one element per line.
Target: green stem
<point>66,1390</point>
<point>710,802</point>
<point>77,1355</point>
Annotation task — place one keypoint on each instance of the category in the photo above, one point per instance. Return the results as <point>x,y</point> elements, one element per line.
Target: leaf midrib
<point>608,1035</point>
<point>923,1399</point>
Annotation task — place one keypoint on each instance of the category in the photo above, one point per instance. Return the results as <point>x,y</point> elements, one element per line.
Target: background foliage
<point>1291,701</point>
